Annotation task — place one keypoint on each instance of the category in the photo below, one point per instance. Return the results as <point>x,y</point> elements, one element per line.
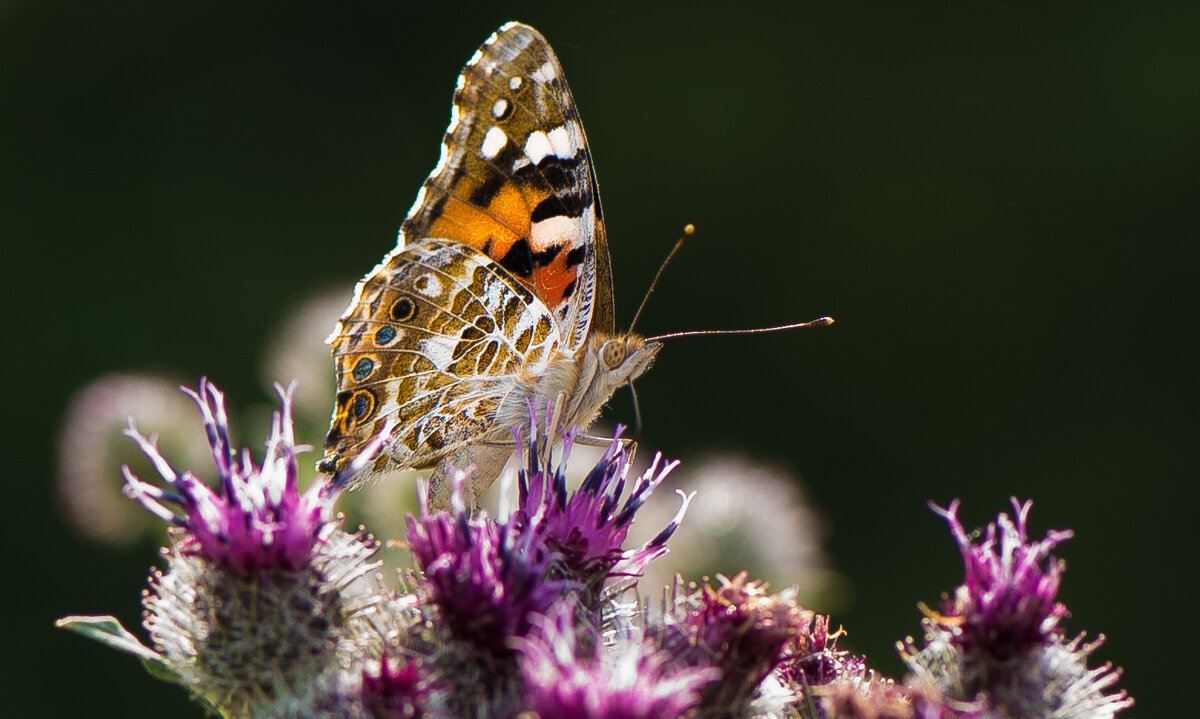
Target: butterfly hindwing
<point>515,181</point>
<point>438,335</point>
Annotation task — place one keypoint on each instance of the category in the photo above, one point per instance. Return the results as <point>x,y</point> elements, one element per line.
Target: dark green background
<point>996,201</point>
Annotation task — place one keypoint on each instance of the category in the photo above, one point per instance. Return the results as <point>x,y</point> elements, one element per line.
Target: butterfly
<point>498,296</point>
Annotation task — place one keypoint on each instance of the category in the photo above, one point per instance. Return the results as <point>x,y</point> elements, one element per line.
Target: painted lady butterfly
<point>499,292</point>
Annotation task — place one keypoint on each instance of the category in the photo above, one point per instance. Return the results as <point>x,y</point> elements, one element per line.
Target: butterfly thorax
<point>578,383</point>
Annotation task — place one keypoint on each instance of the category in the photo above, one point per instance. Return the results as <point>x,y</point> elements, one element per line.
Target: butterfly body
<point>498,296</point>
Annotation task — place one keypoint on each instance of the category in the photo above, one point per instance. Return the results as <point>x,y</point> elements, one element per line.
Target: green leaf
<point>107,630</point>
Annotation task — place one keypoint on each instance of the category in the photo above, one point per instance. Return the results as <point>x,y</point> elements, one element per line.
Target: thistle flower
<point>736,627</point>
<point>999,641</point>
<point>265,609</point>
<point>261,589</point>
<point>584,530</point>
<point>625,679</point>
<point>483,578</point>
<point>1007,602</point>
<point>488,579</point>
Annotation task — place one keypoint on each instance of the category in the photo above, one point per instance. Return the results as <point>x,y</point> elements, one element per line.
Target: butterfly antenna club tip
<point>688,231</point>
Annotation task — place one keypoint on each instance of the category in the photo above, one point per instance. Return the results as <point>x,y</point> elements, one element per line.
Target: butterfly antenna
<point>819,322</point>
<point>688,230</point>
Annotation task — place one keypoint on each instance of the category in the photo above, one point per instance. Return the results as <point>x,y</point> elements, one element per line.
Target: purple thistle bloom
<point>628,680</point>
<point>484,578</point>
<point>261,601</point>
<point>1007,602</point>
<point>258,519</point>
<point>736,627</point>
<point>997,644</point>
<point>585,529</point>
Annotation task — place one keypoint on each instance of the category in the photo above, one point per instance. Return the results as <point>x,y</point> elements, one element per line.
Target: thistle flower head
<point>736,627</point>
<point>262,589</point>
<point>998,644</point>
<point>1007,603</point>
<point>484,578</point>
<point>627,679</point>
<point>586,528</point>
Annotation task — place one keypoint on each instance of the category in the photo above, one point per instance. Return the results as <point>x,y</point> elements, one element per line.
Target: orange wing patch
<point>499,224</point>
<point>502,229</point>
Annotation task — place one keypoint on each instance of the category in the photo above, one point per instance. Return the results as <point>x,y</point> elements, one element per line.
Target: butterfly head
<point>624,358</point>
<point>609,362</point>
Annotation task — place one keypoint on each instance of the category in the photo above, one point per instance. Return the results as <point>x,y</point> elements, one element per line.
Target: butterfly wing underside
<point>509,223</point>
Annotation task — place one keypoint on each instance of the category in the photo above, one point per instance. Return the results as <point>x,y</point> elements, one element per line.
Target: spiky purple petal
<point>257,519</point>
<point>1008,600</point>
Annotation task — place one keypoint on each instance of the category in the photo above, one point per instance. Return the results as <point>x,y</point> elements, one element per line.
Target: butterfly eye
<point>613,353</point>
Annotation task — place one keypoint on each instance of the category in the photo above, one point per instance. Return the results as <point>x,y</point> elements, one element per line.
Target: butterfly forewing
<point>515,181</point>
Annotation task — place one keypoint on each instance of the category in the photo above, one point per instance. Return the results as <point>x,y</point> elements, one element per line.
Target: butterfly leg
<point>628,444</point>
<point>480,464</point>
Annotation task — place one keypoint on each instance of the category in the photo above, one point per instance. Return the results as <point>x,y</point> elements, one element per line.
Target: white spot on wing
<point>554,230</point>
<point>514,83</point>
<point>545,73</point>
<point>538,146</point>
<point>493,143</point>
<point>431,287</point>
<point>439,349</point>
<point>560,140</point>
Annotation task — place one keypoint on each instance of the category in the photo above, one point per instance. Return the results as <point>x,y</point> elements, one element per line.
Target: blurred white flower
<point>747,515</point>
<point>92,448</point>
